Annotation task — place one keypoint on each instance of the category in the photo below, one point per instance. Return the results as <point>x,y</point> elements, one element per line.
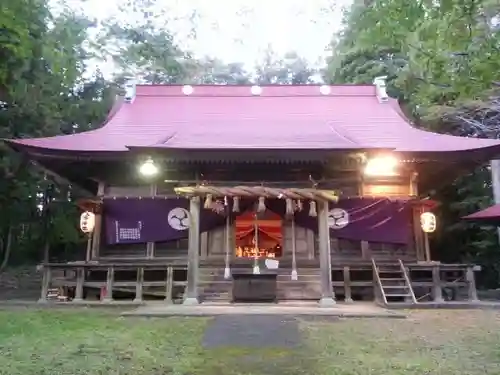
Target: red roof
<point>490,214</point>
<point>281,117</point>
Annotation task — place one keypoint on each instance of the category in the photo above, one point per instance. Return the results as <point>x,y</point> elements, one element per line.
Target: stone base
<point>191,301</point>
<point>327,302</point>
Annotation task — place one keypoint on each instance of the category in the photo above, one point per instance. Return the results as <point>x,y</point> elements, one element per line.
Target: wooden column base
<point>327,302</point>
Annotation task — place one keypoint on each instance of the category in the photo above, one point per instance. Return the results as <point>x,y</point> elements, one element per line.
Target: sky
<point>241,30</point>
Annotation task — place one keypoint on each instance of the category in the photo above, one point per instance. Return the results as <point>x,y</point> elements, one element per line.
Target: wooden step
<point>398,295</point>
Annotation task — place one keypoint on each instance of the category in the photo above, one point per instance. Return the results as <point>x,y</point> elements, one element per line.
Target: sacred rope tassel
<point>294,275</point>
<point>236,204</point>
<point>227,269</point>
<point>289,206</point>
<point>299,205</point>
<point>262,204</point>
<point>256,268</point>
<point>208,201</point>
<point>312,209</point>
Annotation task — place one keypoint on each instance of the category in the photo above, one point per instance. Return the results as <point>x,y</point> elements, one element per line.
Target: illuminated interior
<point>384,165</point>
<point>269,235</point>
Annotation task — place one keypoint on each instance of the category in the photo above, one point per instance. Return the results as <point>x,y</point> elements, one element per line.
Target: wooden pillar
<point>366,252</point>
<point>204,245</point>
<point>109,285</point>
<point>347,285</point>
<point>427,248</point>
<point>471,285</point>
<point>80,279</point>
<point>310,244</point>
<point>150,246</point>
<point>436,285</point>
<point>46,278</point>
<point>418,234</point>
<point>88,253</point>
<point>327,295</point>
<point>193,252</point>
<point>139,285</point>
<point>169,285</point>
<point>96,240</point>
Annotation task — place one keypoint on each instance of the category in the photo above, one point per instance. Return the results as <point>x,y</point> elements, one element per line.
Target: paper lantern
<point>87,222</point>
<point>428,222</point>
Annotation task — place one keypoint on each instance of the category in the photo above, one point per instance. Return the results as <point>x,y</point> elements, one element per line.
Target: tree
<point>290,69</point>
<point>43,92</point>
<point>141,45</point>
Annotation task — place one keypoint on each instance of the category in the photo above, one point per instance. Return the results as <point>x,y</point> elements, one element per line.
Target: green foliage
<point>441,58</point>
<point>43,92</point>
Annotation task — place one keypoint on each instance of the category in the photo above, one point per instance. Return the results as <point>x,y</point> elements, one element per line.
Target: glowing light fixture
<point>428,222</point>
<point>148,168</point>
<point>382,166</point>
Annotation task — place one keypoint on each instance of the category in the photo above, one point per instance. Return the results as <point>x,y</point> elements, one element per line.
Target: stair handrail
<point>407,280</point>
<point>378,281</point>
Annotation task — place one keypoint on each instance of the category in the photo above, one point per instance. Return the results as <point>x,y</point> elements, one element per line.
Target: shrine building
<point>209,193</point>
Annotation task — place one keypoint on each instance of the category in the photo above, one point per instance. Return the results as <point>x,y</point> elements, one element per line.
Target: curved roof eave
<point>161,118</point>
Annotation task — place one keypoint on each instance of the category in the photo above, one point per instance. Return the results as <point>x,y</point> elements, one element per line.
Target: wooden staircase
<point>393,283</point>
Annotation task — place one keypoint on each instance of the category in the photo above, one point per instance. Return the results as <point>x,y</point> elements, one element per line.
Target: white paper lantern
<point>428,222</point>
<point>87,222</point>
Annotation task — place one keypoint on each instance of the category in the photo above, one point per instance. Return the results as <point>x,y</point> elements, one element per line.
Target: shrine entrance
<point>259,237</point>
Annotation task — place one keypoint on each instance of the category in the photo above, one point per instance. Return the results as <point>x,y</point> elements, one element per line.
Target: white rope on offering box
<point>294,275</point>
<point>256,268</point>
<point>227,268</point>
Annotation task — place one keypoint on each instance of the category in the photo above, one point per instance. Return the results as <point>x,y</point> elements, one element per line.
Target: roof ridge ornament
<point>324,89</point>
<point>187,89</point>
<point>380,85</point>
<point>256,90</point>
<point>130,87</point>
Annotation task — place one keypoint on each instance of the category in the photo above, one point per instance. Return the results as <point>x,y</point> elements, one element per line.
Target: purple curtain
<point>134,220</point>
<point>365,219</point>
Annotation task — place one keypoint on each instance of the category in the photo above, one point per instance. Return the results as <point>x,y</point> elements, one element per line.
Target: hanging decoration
<point>428,222</point>
<point>289,207</point>
<point>208,201</point>
<point>236,204</point>
<point>261,207</point>
<point>256,268</point>
<point>219,206</point>
<point>87,222</point>
<point>312,209</point>
<point>227,269</point>
<point>299,205</point>
<point>294,275</point>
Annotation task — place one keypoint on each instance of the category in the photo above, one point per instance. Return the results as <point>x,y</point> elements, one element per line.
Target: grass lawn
<point>73,342</point>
